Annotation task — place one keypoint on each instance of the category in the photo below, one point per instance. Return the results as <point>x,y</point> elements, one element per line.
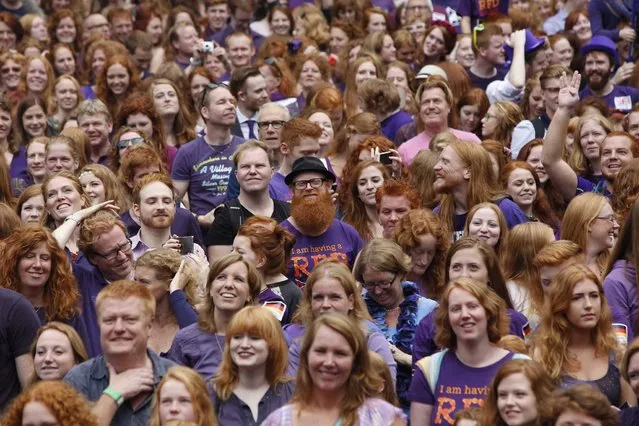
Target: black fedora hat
<point>308,164</point>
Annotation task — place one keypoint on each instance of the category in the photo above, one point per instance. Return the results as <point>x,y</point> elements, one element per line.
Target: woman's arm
<point>63,233</point>
<point>420,414</point>
<point>562,176</point>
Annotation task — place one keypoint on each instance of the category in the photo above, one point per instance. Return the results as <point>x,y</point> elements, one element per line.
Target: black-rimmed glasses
<point>113,254</point>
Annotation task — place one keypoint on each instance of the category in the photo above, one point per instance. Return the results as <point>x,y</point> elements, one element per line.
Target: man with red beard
<point>617,149</point>
<point>601,59</point>
<point>464,177</point>
<point>318,235</point>
<point>153,203</point>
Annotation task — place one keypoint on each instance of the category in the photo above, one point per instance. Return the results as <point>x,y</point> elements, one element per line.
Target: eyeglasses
<point>380,285</point>
<point>277,124</point>
<point>7,70</point>
<point>610,218</point>
<point>315,183</point>
<point>123,248</point>
<point>478,28</point>
<point>208,88</point>
<point>124,143</point>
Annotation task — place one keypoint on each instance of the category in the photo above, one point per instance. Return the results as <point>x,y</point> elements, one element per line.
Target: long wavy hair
<point>541,385</point>
<point>257,322</point>
<point>421,176</point>
<point>140,103</point>
<point>270,240</point>
<point>339,272</point>
<point>625,190</point>
<point>196,386</point>
<point>364,123</point>
<point>6,193</point>
<point>541,208</point>
<point>363,382</point>
<point>508,115</point>
<point>496,317</point>
<point>496,279</point>
<point>577,159</point>
<point>54,20</point>
<point>418,223</point>
<point>482,185</point>
<point>280,70</point>
<point>473,97</point>
<point>550,342</point>
<point>184,124</point>
<point>355,209</point>
<point>166,262</point>
<point>60,293</point>
<point>101,86</point>
<point>579,215</point>
<point>207,308</point>
<point>66,404</point>
<point>19,132</point>
<point>112,189</point>
<point>47,93</point>
<point>524,242</point>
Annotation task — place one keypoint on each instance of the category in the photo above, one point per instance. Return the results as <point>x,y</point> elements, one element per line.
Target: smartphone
<point>384,157</point>
<point>334,186</point>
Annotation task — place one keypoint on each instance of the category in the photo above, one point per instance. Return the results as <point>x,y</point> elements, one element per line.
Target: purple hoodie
<point>620,289</point>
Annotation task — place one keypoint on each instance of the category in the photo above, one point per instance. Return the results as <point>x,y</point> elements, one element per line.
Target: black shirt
<point>224,227</point>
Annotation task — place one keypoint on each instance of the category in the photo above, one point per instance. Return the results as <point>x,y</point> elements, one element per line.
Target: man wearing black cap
<point>319,236</point>
<point>601,60</point>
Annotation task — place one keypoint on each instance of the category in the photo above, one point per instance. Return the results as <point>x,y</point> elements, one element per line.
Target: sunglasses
<point>125,143</point>
<point>208,88</point>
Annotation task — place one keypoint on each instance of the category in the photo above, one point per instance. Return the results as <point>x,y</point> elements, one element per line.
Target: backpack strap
<point>235,214</point>
<point>430,367</point>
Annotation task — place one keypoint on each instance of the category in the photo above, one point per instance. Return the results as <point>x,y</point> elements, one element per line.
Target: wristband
<point>115,395</point>
<point>73,218</point>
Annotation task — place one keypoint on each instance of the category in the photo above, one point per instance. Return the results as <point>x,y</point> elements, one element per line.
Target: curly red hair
<point>102,90</point>
<point>61,295</point>
<point>65,403</point>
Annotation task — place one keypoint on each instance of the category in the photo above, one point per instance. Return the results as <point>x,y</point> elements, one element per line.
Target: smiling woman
<point>253,369</point>
<point>232,284</point>
<point>57,348</point>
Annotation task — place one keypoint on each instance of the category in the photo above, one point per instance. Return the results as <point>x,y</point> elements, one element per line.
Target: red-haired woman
<point>575,341</point>
<point>117,80</point>
<point>360,210</point>
<point>267,245</point>
<point>280,82</point>
<point>257,380</point>
<point>38,268</point>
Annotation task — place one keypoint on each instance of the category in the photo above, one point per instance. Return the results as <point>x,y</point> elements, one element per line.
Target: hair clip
<point>478,27</point>
<point>446,25</point>
<point>294,46</point>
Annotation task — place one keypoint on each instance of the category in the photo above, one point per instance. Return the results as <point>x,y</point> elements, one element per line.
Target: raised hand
<point>178,283</point>
<point>569,90</point>
<point>106,205</point>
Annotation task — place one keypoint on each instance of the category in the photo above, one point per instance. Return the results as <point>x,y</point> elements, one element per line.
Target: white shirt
<point>243,120</point>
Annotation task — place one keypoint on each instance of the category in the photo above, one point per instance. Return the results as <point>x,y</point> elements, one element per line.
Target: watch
<point>115,395</point>
<point>73,218</point>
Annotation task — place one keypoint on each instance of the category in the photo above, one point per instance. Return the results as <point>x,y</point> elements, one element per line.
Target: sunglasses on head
<point>208,88</point>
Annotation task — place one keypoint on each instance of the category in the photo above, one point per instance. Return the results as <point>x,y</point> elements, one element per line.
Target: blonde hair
<point>337,271</point>
<point>577,159</point>
<point>579,215</point>
<point>363,381</point>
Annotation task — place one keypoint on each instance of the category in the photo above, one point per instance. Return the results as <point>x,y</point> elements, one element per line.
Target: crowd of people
<point>319,212</point>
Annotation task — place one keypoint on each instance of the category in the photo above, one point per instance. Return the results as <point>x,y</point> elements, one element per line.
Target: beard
<point>597,83</point>
<point>157,222</point>
<point>313,217</point>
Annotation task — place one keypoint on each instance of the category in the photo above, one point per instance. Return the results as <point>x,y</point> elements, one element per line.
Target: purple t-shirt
<point>90,283</point>
<point>20,178</point>
<point>622,98</point>
<point>424,341</point>
<point>207,169</point>
<point>392,123</point>
<point>278,189</point>
<point>198,350</point>
<point>458,387</point>
<point>621,291</point>
<point>480,9</point>
<point>340,241</point>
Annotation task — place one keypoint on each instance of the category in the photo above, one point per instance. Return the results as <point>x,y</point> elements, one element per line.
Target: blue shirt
<point>392,123</point>
<point>235,412</point>
<point>91,378</point>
